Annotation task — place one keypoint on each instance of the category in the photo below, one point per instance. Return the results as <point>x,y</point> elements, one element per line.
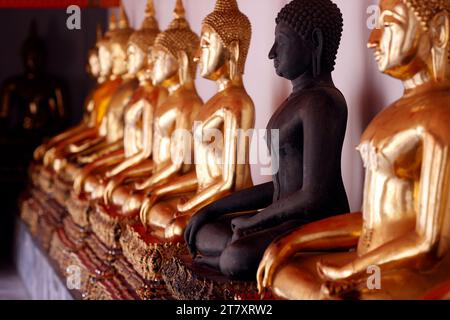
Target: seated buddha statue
<point>95,72</point>
<point>174,68</point>
<point>404,229</point>
<point>32,104</point>
<point>106,139</point>
<point>138,115</point>
<point>231,234</point>
<point>101,97</point>
<point>221,159</point>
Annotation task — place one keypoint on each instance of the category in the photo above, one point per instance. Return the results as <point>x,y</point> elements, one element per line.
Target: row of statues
<point>130,168</point>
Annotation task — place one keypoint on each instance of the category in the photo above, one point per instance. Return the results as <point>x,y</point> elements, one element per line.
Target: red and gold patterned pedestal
<point>66,241</point>
<point>79,209</point>
<point>108,224</point>
<point>42,214</point>
<point>147,255</point>
<point>186,280</point>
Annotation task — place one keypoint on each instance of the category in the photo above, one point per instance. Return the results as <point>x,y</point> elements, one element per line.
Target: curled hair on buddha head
<point>425,10</point>
<point>305,16</point>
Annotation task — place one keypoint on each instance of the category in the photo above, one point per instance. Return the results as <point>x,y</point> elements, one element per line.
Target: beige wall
<point>365,89</point>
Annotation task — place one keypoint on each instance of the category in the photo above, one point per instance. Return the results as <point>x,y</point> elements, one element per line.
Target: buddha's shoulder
<point>427,115</point>
<point>234,100</point>
<point>319,99</point>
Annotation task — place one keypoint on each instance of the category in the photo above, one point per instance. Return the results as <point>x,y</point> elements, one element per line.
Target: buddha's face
<point>212,53</point>
<point>400,43</point>
<point>34,61</point>
<point>291,54</point>
<point>119,58</point>
<point>136,58</point>
<point>94,64</point>
<point>104,56</point>
<point>165,66</point>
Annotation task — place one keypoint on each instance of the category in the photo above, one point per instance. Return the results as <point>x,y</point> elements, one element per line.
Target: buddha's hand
<point>48,157</point>
<point>338,281</point>
<point>40,152</point>
<point>146,207</point>
<point>275,255</point>
<point>110,188</point>
<point>176,228</point>
<point>199,219</point>
<point>241,226</point>
<point>78,184</point>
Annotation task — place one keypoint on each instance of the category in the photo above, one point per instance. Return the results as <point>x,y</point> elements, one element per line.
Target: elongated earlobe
<point>183,70</point>
<point>317,38</point>
<point>440,33</point>
<point>234,59</point>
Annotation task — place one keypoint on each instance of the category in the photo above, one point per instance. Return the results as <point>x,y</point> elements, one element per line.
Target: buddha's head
<point>307,38</point>
<point>142,40</point>
<point>413,36</point>
<point>225,41</point>
<point>119,44</point>
<point>104,50</point>
<point>93,65</point>
<point>174,50</point>
<point>33,51</point>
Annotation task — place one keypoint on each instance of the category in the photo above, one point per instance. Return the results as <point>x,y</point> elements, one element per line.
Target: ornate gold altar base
<point>116,257</point>
<point>187,281</point>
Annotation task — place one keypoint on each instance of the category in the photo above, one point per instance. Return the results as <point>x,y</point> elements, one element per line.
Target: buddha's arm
<point>418,243</point>
<point>6,101</point>
<point>107,160</point>
<point>182,184</point>
<point>251,199</point>
<point>146,152</point>
<point>40,151</point>
<point>340,232</point>
<point>223,186</point>
<point>185,183</point>
<point>97,151</point>
<point>318,177</point>
<point>60,103</point>
<point>63,147</point>
<point>179,142</point>
<point>142,169</point>
<point>84,145</point>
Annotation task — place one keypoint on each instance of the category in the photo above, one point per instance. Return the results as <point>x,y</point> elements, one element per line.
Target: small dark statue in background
<point>311,123</point>
<point>32,104</point>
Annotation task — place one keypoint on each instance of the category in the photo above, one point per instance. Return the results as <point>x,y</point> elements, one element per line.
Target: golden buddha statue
<point>173,68</point>
<point>111,129</point>
<point>101,98</point>
<point>95,71</point>
<point>138,118</point>
<point>219,171</point>
<point>403,231</point>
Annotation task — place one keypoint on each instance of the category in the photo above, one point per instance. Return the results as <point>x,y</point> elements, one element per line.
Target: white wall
<point>356,75</point>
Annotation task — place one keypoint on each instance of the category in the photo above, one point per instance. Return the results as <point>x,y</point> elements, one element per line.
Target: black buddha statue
<point>32,104</point>
<point>311,126</point>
